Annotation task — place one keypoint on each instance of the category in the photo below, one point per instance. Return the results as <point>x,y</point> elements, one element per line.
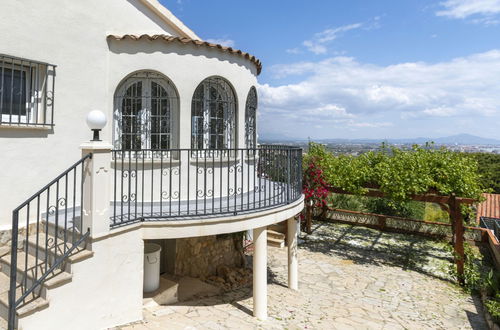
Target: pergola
<point>450,204</point>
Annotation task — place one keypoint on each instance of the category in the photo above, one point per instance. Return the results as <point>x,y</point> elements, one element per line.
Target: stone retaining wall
<point>200,256</point>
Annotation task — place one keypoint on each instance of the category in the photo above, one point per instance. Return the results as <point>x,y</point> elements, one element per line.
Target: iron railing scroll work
<point>152,185</point>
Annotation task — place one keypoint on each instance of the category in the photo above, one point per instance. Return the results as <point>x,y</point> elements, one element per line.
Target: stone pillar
<point>97,188</point>
<point>260,273</point>
<point>293,266</point>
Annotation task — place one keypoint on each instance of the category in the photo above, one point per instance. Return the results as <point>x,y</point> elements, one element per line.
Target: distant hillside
<point>462,139</point>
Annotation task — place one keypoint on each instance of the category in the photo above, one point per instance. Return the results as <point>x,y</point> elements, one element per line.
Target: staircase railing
<point>54,229</point>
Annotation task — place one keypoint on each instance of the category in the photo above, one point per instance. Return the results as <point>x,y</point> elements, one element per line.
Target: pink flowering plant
<point>314,186</point>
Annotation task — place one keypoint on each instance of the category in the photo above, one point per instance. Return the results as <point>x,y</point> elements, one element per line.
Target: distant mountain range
<point>461,139</point>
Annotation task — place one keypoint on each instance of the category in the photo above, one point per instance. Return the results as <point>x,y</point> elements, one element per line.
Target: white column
<point>260,273</point>
<point>97,188</point>
<point>293,266</point>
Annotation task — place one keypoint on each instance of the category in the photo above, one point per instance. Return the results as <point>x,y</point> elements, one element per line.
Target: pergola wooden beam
<point>453,208</point>
<point>431,198</point>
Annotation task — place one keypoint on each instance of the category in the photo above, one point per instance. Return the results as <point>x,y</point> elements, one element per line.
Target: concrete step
<point>278,227</point>
<point>275,234</point>
<point>52,229</point>
<point>38,249</point>
<point>275,242</point>
<point>31,267</point>
<point>31,305</point>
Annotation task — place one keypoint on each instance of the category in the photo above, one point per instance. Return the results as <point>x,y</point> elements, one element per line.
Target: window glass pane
<point>131,120</point>
<point>160,117</point>
<point>214,102</point>
<point>13,92</point>
<point>250,118</point>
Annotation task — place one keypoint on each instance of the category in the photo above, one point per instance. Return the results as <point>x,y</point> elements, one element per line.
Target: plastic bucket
<point>151,267</point>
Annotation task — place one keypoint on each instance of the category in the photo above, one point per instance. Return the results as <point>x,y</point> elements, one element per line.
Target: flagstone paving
<point>350,278</point>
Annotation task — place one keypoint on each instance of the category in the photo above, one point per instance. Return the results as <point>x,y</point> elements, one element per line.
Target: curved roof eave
<point>196,42</point>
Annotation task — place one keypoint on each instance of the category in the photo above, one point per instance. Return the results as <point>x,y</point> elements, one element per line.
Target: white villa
<point>176,160</point>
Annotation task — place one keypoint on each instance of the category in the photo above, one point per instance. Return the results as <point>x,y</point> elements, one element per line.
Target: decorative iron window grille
<point>26,92</point>
<point>213,115</point>
<point>146,104</point>
<point>251,119</point>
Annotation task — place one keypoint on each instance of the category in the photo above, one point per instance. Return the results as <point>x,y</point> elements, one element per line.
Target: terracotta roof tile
<point>490,207</point>
<point>183,40</point>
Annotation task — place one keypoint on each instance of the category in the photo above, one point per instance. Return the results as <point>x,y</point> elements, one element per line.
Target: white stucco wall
<point>72,35</point>
<point>105,291</point>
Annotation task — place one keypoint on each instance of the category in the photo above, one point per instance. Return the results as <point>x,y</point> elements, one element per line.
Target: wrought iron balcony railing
<point>154,185</point>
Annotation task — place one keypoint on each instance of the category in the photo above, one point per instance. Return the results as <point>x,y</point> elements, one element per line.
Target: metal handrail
<point>52,268</point>
<point>55,210</point>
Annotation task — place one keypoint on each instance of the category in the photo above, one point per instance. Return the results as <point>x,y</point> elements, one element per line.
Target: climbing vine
<point>396,173</point>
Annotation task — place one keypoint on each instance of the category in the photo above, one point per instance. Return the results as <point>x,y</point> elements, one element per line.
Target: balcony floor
<point>274,195</point>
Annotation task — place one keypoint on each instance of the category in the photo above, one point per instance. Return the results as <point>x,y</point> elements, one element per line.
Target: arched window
<point>145,105</point>
<point>213,115</point>
<point>251,119</point>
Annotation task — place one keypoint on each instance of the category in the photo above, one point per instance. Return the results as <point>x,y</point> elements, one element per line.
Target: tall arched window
<point>146,104</point>
<point>213,115</point>
<point>251,119</point>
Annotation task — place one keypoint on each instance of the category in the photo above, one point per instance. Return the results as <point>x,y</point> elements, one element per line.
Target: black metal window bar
<point>193,184</point>
<point>492,224</point>
<point>213,117</point>
<point>53,230</point>
<point>145,105</point>
<point>251,119</point>
<point>26,92</point>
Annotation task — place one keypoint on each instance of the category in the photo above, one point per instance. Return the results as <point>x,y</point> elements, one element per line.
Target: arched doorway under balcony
<point>146,108</point>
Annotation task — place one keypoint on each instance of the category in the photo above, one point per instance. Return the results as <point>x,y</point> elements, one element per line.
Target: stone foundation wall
<point>201,256</point>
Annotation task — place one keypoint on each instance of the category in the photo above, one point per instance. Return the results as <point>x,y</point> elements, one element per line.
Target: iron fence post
<point>13,270</point>
<point>289,168</point>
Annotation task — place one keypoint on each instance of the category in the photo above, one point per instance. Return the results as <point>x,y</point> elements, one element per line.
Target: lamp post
<point>96,120</point>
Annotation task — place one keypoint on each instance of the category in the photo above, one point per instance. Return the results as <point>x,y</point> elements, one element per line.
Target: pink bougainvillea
<point>314,186</point>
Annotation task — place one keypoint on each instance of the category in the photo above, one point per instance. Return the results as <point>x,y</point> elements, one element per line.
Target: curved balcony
<point>178,184</point>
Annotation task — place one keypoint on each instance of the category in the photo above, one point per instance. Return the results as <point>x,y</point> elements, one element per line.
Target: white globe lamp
<point>96,120</point>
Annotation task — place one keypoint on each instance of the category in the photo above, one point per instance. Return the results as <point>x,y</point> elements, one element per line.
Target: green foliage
<point>348,202</point>
<point>493,307</point>
<point>489,168</point>
<point>479,273</point>
<point>434,213</point>
<point>400,173</point>
<point>405,209</point>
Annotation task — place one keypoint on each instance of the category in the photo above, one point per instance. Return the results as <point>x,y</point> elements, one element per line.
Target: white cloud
<point>223,42</point>
<point>369,125</point>
<point>461,9</point>
<point>318,44</point>
<point>342,91</point>
<point>293,51</point>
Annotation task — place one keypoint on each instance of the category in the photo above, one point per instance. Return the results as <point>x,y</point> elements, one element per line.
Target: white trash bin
<point>151,267</point>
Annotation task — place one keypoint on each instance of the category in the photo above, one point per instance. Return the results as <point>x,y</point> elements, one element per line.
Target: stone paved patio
<point>350,278</point>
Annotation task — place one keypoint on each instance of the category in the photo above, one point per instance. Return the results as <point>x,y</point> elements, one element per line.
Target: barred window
<point>26,92</point>
<point>251,119</point>
<point>213,115</point>
<point>145,105</point>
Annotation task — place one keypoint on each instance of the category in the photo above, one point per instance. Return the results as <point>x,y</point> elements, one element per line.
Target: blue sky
<point>364,68</point>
